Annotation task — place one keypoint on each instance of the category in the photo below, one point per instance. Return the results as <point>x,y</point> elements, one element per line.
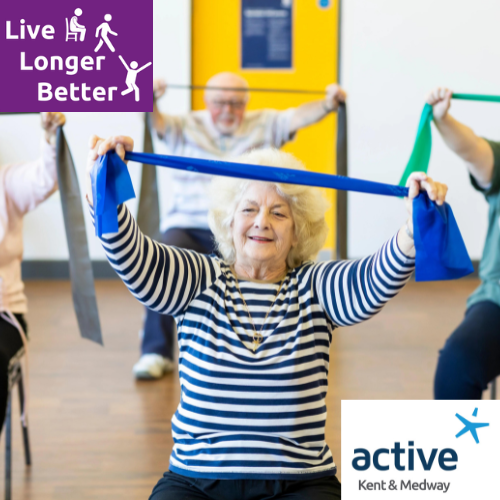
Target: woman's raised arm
<point>163,278</point>
<point>28,184</point>
<point>353,291</point>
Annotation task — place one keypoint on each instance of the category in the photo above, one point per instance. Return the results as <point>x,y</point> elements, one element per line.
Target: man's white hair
<point>308,206</point>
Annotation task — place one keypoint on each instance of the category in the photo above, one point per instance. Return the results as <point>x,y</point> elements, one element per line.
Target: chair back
<point>70,34</point>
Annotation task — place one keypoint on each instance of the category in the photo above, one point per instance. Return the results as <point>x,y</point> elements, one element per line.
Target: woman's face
<point>263,229</point>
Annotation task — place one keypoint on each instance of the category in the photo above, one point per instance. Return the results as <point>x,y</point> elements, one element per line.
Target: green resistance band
<point>421,154</point>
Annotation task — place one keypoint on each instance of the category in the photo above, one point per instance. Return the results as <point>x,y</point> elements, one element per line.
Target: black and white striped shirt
<point>246,414</point>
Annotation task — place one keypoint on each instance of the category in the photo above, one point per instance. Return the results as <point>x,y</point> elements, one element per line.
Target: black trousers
<point>159,329</point>
<point>470,359</point>
<point>175,487</point>
<point>10,344</point>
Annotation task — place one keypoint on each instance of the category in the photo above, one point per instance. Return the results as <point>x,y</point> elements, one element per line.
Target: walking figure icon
<point>132,76</point>
<point>104,28</point>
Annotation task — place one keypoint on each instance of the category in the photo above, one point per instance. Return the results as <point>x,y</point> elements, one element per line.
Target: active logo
<point>92,56</point>
<point>419,447</point>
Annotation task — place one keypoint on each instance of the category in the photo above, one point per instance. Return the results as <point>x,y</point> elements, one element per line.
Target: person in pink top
<point>22,187</point>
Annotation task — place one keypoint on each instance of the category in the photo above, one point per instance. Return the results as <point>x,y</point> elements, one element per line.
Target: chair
<point>15,377</point>
<point>70,34</point>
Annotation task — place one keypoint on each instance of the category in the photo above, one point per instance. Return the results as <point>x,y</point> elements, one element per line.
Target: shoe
<point>152,366</point>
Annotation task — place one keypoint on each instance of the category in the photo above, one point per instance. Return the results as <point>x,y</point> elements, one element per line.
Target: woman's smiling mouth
<point>260,239</point>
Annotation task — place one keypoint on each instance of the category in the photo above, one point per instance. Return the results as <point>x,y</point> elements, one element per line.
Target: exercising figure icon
<point>105,29</point>
<point>132,76</point>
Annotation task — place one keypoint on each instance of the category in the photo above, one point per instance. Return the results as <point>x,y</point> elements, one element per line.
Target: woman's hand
<point>417,182</point>
<point>50,123</point>
<point>440,100</point>
<point>420,181</point>
<point>99,147</point>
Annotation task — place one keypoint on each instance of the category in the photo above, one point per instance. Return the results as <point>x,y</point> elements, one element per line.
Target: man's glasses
<point>231,104</point>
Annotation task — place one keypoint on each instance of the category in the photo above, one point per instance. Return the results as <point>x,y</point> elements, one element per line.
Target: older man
<point>224,129</point>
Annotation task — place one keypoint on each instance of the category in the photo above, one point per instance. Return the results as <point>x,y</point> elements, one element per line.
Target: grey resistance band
<point>80,266</point>
<point>148,212</point>
<point>243,89</point>
<point>341,213</point>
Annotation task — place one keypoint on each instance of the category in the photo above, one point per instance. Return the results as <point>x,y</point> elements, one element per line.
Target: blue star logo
<point>470,426</point>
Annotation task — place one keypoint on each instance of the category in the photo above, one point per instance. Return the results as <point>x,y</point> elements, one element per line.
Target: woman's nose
<point>262,220</point>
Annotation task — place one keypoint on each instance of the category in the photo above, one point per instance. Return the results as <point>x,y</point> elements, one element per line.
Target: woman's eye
<point>278,214</point>
<point>248,210</point>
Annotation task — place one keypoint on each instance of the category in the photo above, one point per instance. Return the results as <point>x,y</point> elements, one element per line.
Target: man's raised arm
<point>313,112</point>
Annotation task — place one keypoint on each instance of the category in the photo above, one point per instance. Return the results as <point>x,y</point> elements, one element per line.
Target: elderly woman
<point>23,186</point>
<point>254,331</point>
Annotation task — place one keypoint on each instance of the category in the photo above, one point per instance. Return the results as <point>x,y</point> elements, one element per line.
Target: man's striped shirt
<point>246,414</point>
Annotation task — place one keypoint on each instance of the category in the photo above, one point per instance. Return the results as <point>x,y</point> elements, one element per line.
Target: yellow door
<point>216,48</point>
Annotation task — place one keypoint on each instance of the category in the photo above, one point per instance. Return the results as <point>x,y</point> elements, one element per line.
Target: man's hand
<point>440,100</point>
<point>335,94</point>
<point>159,87</point>
<point>50,123</point>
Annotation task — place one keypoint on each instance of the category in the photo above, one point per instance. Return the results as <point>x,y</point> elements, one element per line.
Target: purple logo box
<point>69,55</point>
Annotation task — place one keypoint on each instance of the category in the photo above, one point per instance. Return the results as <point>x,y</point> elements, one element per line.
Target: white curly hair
<point>308,206</point>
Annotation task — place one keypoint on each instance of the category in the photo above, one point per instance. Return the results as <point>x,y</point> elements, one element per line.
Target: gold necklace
<point>257,336</point>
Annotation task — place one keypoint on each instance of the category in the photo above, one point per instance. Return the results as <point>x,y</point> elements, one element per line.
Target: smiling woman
<point>291,216</point>
<point>254,330</point>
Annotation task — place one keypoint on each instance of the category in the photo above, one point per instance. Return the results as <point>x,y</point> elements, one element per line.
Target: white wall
<point>393,54</point>
<point>172,56</point>
<point>44,235</point>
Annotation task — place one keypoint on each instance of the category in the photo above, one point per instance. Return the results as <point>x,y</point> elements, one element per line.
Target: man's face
<point>227,109</point>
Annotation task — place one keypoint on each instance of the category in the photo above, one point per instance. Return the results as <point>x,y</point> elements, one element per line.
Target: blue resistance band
<point>440,250</point>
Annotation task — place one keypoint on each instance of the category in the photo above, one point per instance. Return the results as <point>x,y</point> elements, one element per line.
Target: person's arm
<point>158,120</point>
<point>313,112</point>
<point>170,129</point>
<point>475,151</point>
<point>163,278</point>
<point>28,184</point>
<point>124,63</point>
<point>144,67</point>
<point>354,291</point>
<point>99,28</point>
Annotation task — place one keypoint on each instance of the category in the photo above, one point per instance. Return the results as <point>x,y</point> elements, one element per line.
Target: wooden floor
<point>96,433</point>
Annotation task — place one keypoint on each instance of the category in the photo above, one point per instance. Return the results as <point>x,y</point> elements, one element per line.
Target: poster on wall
<point>266,34</point>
